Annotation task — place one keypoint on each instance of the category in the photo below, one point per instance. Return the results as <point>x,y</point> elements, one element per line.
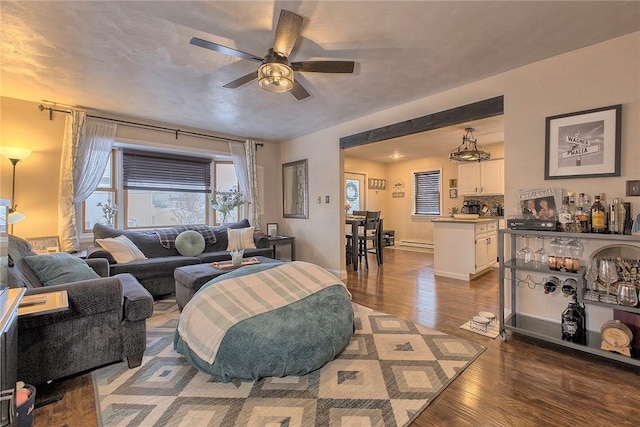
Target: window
<point>164,190</point>
<point>104,194</point>
<point>155,189</point>
<point>427,192</point>
<point>226,181</point>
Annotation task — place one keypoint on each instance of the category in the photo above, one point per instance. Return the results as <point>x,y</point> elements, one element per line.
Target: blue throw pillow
<point>59,268</point>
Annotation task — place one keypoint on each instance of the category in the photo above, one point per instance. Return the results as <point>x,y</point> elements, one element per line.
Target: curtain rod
<point>146,126</point>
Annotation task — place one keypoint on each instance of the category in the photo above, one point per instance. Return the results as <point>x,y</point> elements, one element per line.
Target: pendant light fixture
<point>469,151</point>
<point>275,75</point>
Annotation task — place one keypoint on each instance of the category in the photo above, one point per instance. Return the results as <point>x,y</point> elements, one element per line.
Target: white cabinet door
<point>492,249</point>
<point>468,179</point>
<point>492,177</point>
<point>481,252</point>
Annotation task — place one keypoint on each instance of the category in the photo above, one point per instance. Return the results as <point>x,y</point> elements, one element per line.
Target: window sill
<point>423,217</point>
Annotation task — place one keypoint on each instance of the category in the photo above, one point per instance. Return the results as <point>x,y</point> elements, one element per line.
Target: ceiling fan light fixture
<point>275,77</point>
<point>469,151</point>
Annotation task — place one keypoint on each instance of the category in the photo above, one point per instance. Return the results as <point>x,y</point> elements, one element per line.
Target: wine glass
<point>556,257</point>
<point>591,275</point>
<point>541,256</point>
<point>574,250</point>
<point>627,294</point>
<point>525,254</point>
<point>608,274</point>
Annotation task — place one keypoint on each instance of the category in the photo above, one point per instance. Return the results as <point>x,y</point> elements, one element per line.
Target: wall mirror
<point>295,191</point>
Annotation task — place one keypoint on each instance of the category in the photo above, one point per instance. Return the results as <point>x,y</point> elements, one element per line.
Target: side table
<point>283,240</point>
<point>48,302</point>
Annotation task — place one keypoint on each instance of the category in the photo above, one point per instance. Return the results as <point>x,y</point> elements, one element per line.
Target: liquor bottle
<point>598,216</point>
<point>572,201</point>
<point>565,219</point>
<point>582,218</point>
<point>573,322</point>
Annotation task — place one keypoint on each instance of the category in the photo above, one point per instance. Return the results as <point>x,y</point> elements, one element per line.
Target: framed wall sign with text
<point>585,144</point>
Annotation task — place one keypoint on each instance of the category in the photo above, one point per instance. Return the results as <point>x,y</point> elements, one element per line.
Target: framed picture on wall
<point>453,193</point>
<point>585,144</point>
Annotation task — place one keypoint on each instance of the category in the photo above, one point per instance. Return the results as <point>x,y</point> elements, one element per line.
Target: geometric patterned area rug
<point>389,373</point>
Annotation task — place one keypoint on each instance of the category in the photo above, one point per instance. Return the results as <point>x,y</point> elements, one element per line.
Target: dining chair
<point>370,233</point>
<point>349,237</point>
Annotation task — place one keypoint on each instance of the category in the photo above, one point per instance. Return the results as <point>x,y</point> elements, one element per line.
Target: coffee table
<point>190,278</point>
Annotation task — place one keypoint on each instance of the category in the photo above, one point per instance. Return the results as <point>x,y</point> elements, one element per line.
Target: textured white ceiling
<point>134,58</point>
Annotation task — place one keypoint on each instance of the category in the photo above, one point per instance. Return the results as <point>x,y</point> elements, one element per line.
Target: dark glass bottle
<point>598,217</point>
<point>574,322</point>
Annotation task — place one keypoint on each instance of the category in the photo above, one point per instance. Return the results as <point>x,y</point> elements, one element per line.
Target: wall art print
<point>584,144</point>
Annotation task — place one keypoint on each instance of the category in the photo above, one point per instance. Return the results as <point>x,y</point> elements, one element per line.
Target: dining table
<point>358,221</point>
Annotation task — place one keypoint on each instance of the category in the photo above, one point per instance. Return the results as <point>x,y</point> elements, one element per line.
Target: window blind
<point>427,192</point>
<point>160,171</point>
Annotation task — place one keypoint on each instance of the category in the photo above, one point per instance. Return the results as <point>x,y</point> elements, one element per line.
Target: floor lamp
<point>14,154</point>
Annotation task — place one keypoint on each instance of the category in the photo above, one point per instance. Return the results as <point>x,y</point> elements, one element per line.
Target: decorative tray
<point>226,265</point>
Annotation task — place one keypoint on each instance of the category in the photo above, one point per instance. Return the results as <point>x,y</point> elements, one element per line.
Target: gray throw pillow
<point>190,243</point>
<point>60,268</point>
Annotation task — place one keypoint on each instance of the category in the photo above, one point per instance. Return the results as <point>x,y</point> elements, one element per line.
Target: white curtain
<point>85,152</point>
<point>244,161</point>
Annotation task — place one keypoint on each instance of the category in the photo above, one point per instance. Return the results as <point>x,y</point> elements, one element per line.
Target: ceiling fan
<point>276,74</point>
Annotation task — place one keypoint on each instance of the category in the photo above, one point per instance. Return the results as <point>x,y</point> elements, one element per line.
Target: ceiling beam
<point>465,113</point>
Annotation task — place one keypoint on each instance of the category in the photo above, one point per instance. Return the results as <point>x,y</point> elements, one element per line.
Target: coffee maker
<point>471,207</point>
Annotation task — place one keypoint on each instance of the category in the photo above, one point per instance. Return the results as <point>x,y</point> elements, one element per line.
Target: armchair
<point>105,322</point>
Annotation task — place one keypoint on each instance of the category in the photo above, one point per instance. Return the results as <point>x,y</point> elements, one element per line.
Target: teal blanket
<point>292,340</point>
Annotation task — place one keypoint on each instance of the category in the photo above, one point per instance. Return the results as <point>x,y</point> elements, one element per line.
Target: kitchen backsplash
<point>489,201</point>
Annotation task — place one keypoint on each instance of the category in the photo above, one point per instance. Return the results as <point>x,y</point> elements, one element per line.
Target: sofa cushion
<point>17,249</point>
<point>240,238</point>
<point>60,268</point>
<point>190,243</point>
<point>121,249</point>
<point>154,267</point>
<point>147,241</point>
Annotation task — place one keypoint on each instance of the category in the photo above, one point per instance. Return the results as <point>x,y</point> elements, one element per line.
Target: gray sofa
<point>105,322</point>
<point>156,272</point>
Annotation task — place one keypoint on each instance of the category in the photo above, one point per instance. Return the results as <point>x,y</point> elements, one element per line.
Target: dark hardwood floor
<point>523,382</point>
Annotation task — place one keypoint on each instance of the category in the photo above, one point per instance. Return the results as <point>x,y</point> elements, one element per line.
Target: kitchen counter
<point>478,220</point>
<point>464,248</point>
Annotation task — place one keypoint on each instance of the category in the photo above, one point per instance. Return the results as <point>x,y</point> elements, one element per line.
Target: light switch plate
<point>633,188</point>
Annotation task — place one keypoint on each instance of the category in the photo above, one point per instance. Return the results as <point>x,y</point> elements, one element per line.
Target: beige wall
<point>37,178</point>
<point>600,75</point>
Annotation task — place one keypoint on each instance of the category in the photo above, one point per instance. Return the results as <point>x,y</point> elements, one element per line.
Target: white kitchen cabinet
<point>486,245</point>
<point>464,249</point>
<point>481,178</point>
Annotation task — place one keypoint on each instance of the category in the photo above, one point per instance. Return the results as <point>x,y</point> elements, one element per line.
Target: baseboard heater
<point>417,244</point>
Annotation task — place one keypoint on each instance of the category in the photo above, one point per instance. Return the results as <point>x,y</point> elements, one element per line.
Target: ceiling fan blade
<point>287,31</point>
<point>324,66</point>
<point>299,91</point>
<point>242,80</point>
<point>223,49</point>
